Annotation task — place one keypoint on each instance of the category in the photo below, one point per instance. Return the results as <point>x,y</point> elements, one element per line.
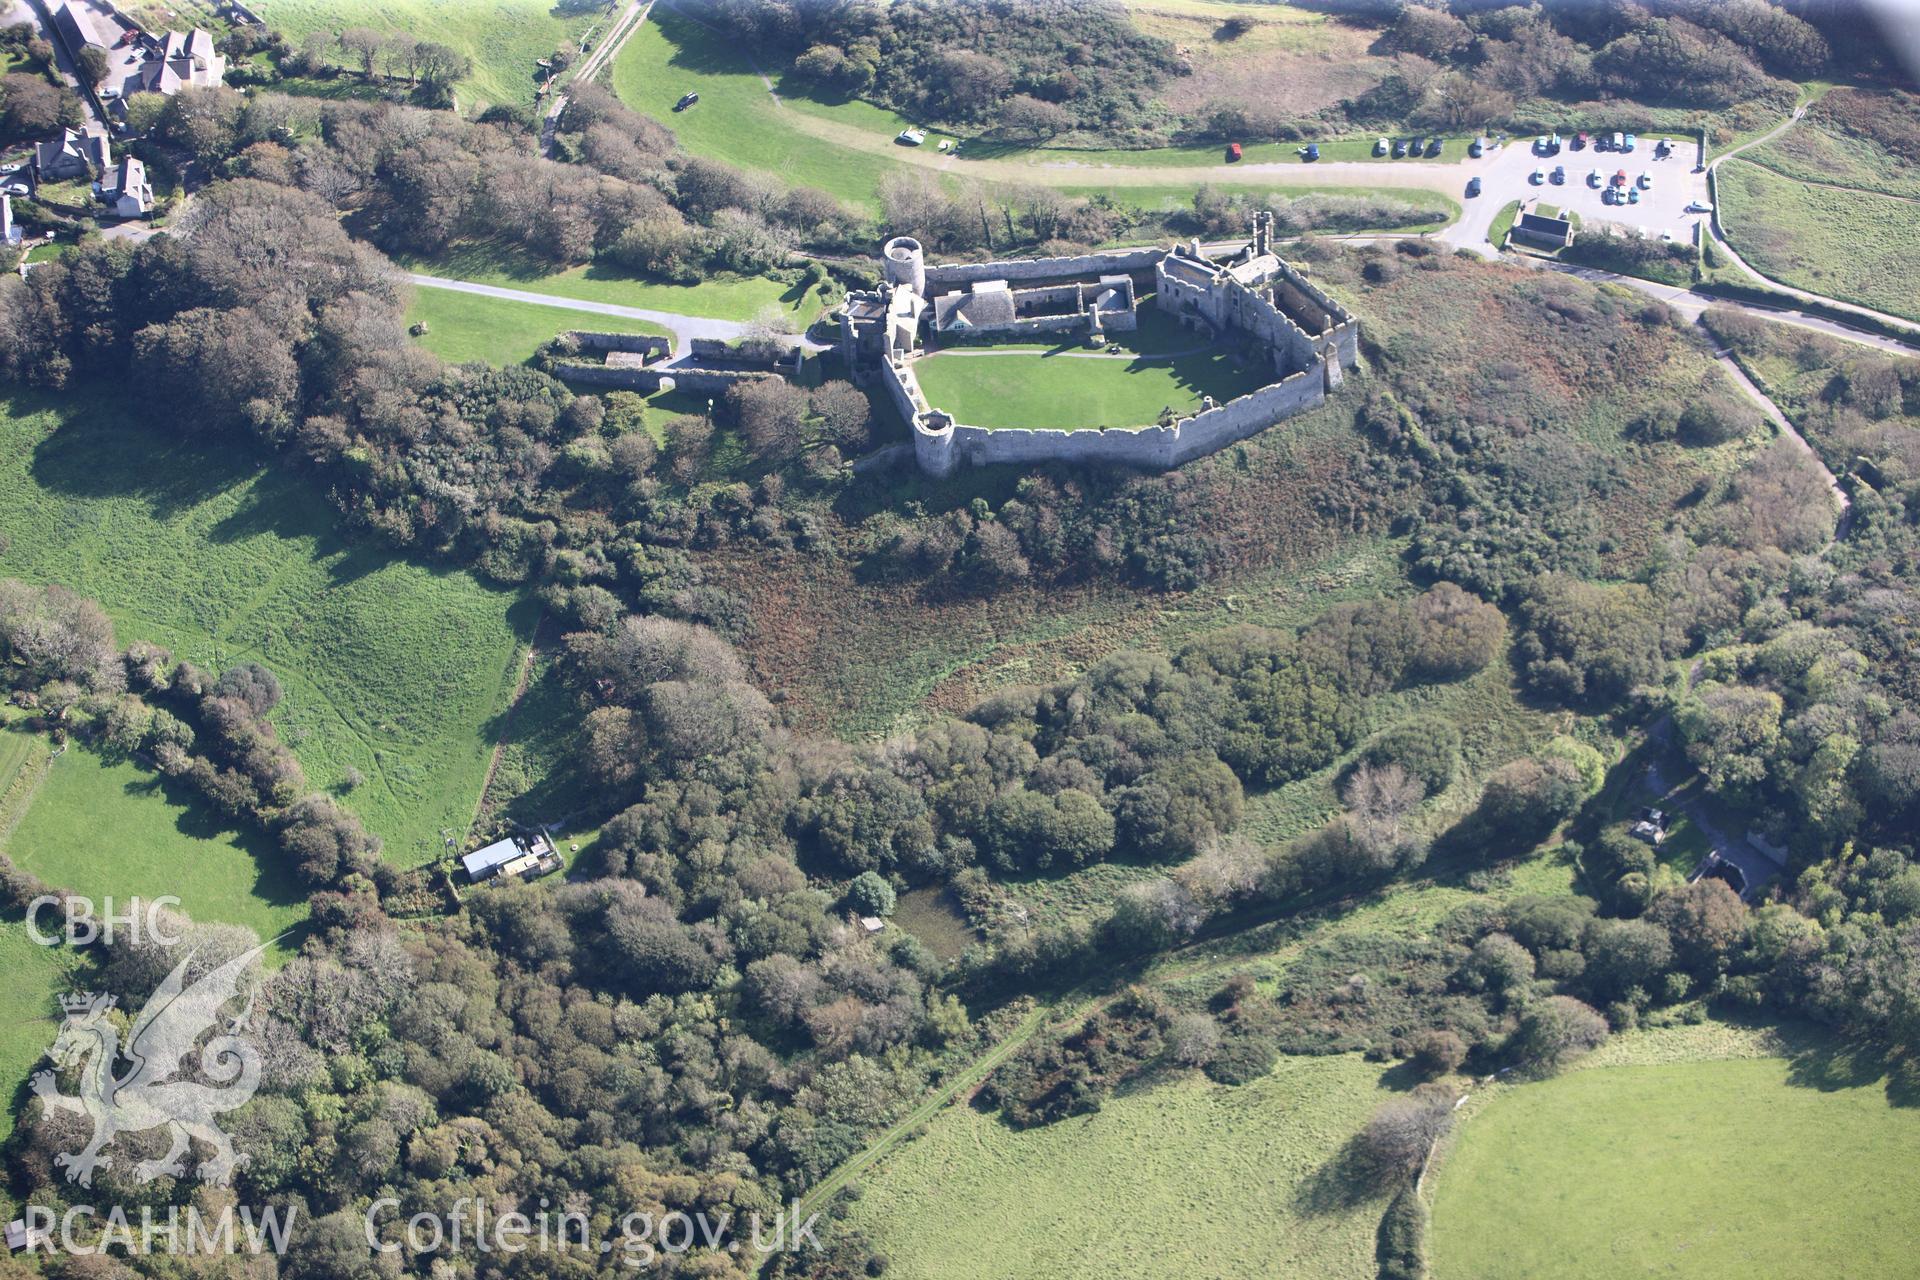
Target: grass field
<point>1176,199</point>
<point>1827,145</point>
<point>466,327</point>
<point>1698,1169</point>
<point>29,1010</point>
<point>390,668</point>
<point>113,830</point>
<point>1857,246</point>
<point>736,119</point>
<point>726,298</point>
<point>503,37</point>
<point>1183,1178</point>
<point>1066,388</point>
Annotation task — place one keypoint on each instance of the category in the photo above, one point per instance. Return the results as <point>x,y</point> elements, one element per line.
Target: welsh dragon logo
<point>147,1095</point>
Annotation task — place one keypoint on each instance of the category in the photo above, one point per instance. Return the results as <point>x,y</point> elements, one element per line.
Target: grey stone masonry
<point>1308,335</point>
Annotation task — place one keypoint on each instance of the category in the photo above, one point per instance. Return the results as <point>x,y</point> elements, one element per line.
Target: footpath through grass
<point>1858,246</point>
<point>391,669</point>
<point>725,298</point>
<point>465,327</point>
<point>1748,1168</point>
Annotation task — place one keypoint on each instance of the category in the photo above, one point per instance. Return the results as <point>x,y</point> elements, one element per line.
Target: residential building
<point>130,196</point>
<point>515,856</point>
<point>72,155</point>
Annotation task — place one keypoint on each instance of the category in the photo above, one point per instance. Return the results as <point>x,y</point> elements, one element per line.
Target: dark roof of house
<point>77,28</point>
<point>973,310</point>
<point>1533,222</point>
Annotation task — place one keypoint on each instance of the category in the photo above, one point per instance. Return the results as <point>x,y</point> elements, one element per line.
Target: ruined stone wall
<point>1112,262</point>
<point>638,343</point>
<point>940,447</point>
<point>1072,322</point>
<point>1342,327</point>
<point>705,382</point>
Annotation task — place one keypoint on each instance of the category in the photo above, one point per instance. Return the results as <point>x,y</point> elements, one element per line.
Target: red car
<point>1233,151</point>
<point>1620,178</point>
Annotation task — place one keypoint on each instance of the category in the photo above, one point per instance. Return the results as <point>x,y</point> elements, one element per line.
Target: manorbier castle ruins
<point>1249,295</point>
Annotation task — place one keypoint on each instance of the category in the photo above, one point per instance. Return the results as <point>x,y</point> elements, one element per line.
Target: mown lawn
<point>1853,245</point>
<point>466,327</point>
<point>115,829</point>
<point>986,388</point>
<point>391,668</point>
<point>503,37</point>
<point>724,298</point>
<point>1183,1178</point>
<point>29,1006</point>
<point>1697,1169</point>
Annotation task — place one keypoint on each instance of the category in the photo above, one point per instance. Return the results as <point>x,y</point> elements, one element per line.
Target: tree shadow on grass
<point>94,454</point>
<point>1339,1185</point>
<point>274,883</point>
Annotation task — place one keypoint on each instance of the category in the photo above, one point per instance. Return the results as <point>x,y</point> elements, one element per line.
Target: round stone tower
<point>905,264</point>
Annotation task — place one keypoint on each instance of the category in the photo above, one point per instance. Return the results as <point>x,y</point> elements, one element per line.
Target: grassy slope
<point>1853,245</point>
<point>1033,389</point>
<point>464,327</point>
<point>36,977</point>
<point>390,668</point>
<point>735,118</point>
<point>1702,1169</point>
<point>734,298</point>
<point>503,37</point>
<point>112,829</point>
<point>1197,1177</point>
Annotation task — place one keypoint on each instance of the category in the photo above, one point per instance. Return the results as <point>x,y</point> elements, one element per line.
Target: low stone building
<point>1250,296</point>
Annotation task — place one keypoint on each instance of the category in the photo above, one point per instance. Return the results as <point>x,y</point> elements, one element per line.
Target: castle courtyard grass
<point>1066,389</point>
<point>1759,1169</point>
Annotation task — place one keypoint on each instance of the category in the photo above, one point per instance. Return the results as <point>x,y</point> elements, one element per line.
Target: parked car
<point>1418,145</point>
<point>1662,148</point>
<point>686,100</point>
<point>1310,152</point>
<point>1646,182</point>
<point>1380,146</point>
<point>1593,177</point>
<point>1537,177</point>
<point>1633,195</point>
<point>1233,151</point>
<point>1579,141</point>
<point>1473,187</point>
<point>1559,174</point>
<point>1435,147</point>
<point>1699,206</point>
<point>1540,145</point>
<point>1619,177</point>
<point>1627,143</point>
<point>910,137</point>
<point>1399,148</point>
<point>1477,148</point>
